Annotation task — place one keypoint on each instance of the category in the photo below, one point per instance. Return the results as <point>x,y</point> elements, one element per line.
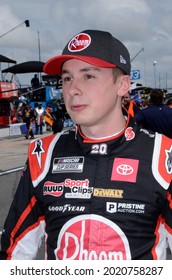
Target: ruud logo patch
<point>53,189</point>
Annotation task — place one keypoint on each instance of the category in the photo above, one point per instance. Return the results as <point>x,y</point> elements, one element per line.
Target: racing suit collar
<point>113,142</point>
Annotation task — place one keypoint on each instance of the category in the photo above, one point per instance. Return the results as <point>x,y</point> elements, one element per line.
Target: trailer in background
<point>8,93</point>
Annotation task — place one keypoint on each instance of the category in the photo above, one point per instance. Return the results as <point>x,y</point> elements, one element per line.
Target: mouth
<point>78,107</point>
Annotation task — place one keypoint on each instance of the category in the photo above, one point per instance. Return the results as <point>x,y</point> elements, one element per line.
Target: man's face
<point>90,93</point>
<point>126,100</point>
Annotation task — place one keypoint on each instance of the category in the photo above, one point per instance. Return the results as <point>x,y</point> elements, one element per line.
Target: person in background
<point>31,129</point>
<point>130,105</point>
<point>169,103</point>
<point>27,117</point>
<point>20,111</point>
<point>101,190</point>
<point>157,117</point>
<point>35,81</point>
<point>39,118</point>
<point>48,117</point>
<point>58,119</point>
<point>144,104</point>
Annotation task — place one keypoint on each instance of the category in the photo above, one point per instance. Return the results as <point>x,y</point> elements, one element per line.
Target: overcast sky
<point>139,24</point>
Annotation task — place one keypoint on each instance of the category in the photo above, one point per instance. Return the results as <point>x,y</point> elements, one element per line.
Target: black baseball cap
<point>95,47</point>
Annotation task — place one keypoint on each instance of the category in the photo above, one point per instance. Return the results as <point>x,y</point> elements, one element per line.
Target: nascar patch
<point>68,164</point>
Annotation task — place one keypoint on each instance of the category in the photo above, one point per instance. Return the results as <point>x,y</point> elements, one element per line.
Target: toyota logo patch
<point>125,169</point>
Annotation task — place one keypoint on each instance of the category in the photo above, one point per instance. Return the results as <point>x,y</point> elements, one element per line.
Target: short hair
<point>117,72</point>
<point>156,96</point>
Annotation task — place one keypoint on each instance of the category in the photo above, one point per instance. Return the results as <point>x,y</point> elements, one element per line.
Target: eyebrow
<point>85,69</point>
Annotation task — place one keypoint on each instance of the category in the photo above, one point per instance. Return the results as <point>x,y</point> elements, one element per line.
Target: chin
<point>79,120</point>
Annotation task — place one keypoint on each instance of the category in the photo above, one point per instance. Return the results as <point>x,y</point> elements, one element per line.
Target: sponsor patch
<point>168,161</point>
<point>132,208</point>
<point>108,193</point>
<point>66,208</point>
<point>122,60</point>
<point>79,42</point>
<point>79,240</point>
<point>162,160</point>
<point>129,133</point>
<point>38,151</point>
<point>78,188</point>
<point>54,189</point>
<point>125,169</point>
<point>68,164</point>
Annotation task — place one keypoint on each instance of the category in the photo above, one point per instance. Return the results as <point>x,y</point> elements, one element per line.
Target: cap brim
<point>54,65</point>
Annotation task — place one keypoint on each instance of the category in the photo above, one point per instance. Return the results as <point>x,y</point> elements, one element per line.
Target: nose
<point>74,88</point>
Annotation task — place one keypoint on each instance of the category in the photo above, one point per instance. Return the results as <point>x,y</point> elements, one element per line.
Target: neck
<point>105,130</point>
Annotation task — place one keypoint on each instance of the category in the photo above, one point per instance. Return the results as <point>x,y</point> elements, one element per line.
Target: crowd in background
<point>35,119</point>
<point>154,113</point>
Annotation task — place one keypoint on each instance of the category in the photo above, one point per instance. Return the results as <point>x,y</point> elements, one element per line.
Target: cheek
<point>65,96</point>
<point>106,97</point>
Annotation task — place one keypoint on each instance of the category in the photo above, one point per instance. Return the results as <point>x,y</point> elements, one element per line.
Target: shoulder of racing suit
<point>162,160</point>
<point>40,154</point>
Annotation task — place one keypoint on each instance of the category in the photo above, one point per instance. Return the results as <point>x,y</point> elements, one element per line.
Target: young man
<point>100,191</point>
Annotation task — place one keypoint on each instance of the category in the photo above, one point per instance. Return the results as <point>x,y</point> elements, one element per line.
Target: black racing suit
<point>93,199</point>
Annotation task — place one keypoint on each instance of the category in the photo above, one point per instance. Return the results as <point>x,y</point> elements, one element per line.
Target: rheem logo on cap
<point>79,42</point>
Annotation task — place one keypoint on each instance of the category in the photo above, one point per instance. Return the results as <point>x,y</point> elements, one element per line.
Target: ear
<point>124,85</point>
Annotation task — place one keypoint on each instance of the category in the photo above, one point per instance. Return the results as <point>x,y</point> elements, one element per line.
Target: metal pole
<point>166,80</point>
<point>26,23</point>
<point>39,52</point>
<point>159,80</point>
<point>154,64</point>
<point>137,54</point>
<point>39,48</point>
<point>145,71</point>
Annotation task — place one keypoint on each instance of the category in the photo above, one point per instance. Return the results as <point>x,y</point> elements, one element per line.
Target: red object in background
<point>7,92</point>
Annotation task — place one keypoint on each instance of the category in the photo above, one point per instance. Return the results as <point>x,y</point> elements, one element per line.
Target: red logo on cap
<point>79,42</point>
<point>92,237</point>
